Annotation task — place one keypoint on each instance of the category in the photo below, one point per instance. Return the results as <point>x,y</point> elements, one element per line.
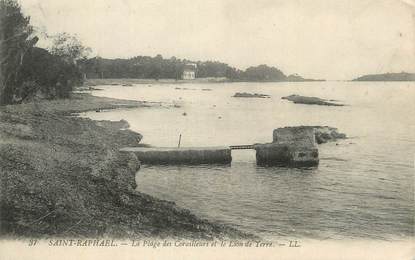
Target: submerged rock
<point>250,95</point>
<point>297,99</point>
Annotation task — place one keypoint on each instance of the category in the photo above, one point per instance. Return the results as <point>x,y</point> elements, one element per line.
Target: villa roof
<point>190,66</point>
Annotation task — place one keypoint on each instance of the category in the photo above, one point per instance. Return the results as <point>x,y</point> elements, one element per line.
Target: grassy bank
<point>63,176</point>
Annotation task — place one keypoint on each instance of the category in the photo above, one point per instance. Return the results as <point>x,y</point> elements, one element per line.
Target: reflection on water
<point>363,187</point>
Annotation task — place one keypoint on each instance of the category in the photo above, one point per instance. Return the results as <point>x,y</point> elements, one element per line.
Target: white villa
<point>189,71</point>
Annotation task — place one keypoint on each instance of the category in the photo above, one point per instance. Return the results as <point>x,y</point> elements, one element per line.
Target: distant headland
<point>402,76</point>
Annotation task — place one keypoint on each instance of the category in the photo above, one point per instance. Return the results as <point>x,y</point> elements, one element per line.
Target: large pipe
<point>183,155</point>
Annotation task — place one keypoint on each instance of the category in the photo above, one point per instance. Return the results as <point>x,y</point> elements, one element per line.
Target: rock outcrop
<point>323,134</point>
<point>326,134</point>
<point>250,95</point>
<point>297,99</point>
<point>292,147</point>
<point>295,146</point>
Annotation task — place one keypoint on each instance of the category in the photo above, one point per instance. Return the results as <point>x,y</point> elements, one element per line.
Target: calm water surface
<point>363,187</point>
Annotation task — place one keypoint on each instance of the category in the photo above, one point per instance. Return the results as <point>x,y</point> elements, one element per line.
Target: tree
<point>15,40</point>
<point>48,75</point>
<point>27,70</point>
<point>69,48</point>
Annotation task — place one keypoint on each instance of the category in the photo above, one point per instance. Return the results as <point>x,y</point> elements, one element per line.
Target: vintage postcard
<point>207,129</point>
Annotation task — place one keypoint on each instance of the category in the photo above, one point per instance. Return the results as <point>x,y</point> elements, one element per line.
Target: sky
<point>330,39</point>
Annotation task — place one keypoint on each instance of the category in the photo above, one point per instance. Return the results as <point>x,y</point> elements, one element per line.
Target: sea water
<point>363,187</point>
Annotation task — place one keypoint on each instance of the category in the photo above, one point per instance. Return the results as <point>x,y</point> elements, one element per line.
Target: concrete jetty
<point>182,155</point>
<point>291,147</point>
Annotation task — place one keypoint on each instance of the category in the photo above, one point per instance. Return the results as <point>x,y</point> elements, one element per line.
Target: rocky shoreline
<point>63,176</point>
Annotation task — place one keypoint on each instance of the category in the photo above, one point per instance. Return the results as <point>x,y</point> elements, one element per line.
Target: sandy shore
<point>63,176</point>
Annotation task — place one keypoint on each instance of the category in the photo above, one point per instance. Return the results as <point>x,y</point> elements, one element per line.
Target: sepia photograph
<point>219,129</point>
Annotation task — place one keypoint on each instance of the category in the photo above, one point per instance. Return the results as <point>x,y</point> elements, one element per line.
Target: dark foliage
<point>27,71</point>
<point>263,73</point>
<point>15,32</point>
<point>48,74</point>
<point>137,67</point>
<point>145,67</point>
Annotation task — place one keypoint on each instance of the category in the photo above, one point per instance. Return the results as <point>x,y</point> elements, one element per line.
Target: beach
<point>63,176</point>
